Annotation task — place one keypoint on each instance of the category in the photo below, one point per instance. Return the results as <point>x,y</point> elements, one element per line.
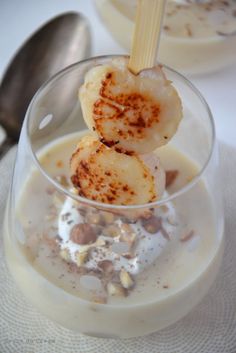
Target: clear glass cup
<point>197,36</point>
<point>171,249</point>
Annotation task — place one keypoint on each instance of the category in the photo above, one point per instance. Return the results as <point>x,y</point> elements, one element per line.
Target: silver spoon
<point>59,43</point>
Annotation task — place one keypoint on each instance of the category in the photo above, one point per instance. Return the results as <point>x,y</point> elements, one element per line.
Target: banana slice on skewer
<point>104,175</point>
<point>131,113</point>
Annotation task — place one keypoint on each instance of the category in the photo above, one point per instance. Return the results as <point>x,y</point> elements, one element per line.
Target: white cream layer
<point>148,246</point>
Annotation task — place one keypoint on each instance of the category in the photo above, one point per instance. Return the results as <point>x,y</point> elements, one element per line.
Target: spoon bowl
<point>59,43</point>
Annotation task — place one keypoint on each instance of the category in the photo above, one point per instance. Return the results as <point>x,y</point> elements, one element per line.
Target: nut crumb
<point>108,217</point>
<point>81,257</point>
<point>94,218</point>
<point>126,279</point>
<point>62,179</point>
<point>59,164</point>
<point>64,253</point>
<point>106,266</point>
<point>171,175</point>
<point>187,236</point>
<point>99,300</point>
<point>83,234</point>
<point>111,230</point>
<point>152,225</point>
<point>128,235</point>
<point>114,289</point>
<point>165,234</point>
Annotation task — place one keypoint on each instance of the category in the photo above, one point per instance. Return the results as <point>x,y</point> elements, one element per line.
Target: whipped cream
<point>145,249</point>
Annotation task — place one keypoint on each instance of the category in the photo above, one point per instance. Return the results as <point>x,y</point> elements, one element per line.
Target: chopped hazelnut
<point>64,253</point>
<point>52,242</point>
<point>125,279</point>
<point>50,190</point>
<point>128,235</point>
<point>100,242</point>
<point>83,234</point>
<point>114,289</point>
<point>106,266</point>
<point>62,179</point>
<point>171,175</point>
<point>58,199</point>
<point>164,208</point>
<point>165,234</point>
<point>187,236</point>
<point>99,300</point>
<point>172,220</point>
<point>50,217</point>
<point>152,225</point>
<point>108,217</point>
<point>94,218</point>
<point>111,230</point>
<point>33,242</point>
<point>81,257</point>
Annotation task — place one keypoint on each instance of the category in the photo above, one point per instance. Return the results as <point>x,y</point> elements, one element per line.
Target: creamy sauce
<point>191,19</point>
<point>197,36</point>
<point>181,264</point>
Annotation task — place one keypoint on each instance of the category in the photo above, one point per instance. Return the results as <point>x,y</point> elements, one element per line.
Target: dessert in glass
<point>197,36</point>
<point>114,222</point>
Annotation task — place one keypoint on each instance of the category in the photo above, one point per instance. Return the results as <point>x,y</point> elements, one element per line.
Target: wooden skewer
<point>148,23</point>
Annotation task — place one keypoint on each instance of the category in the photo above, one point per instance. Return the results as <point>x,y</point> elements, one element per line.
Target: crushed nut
<point>164,208</point>
<point>94,218</point>
<point>64,253</point>
<point>128,256</point>
<point>50,190</point>
<point>99,300</point>
<point>125,279</point>
<point>50,217</point>
<point>100,242</point>
<point>127,233</point>
<point>111,230</point>
<point>152,225</point>
<point>81,257</point>
<point>58,199</point>
<point>115,289</point>
<point>187,236</point>
<point>62,179</point>
<point>172,220</point>
<point>106,266</point>
<point>52,213</point>
<point>83,234</point>
<point>165,234</point>
<point>32,242</point>
<point>108,217</point>
<point>52,242</point>
<point>171,175</point>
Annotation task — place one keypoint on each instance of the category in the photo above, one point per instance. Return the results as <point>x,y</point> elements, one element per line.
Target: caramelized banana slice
<point>104,175</point>
<point>133,113</point>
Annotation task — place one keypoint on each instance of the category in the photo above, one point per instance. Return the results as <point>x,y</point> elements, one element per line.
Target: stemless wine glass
<point>144,267</point>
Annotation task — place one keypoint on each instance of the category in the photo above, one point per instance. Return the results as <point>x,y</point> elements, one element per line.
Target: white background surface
<point>19,18</point>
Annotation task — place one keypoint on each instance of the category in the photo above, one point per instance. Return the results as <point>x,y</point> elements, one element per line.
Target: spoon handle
<point>5,146</point>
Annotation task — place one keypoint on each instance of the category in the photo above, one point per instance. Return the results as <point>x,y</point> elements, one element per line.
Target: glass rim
<point>107,206</point>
